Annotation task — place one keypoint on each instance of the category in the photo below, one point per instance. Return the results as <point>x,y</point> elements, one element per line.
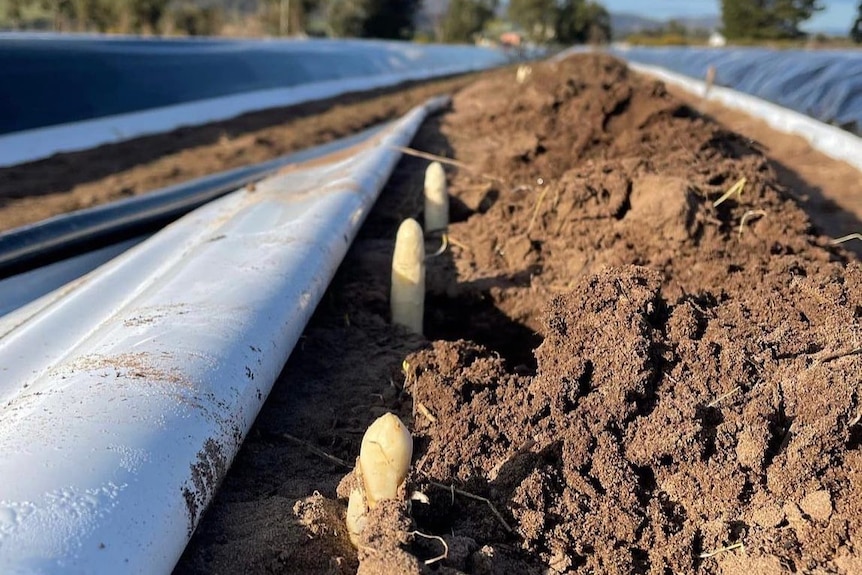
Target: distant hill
<point>701,22</point>
<point>624,23</point>
<point>835,31</point>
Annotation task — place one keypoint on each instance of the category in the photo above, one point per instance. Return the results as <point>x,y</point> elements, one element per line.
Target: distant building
<point>512,39</point>
<point>717,40</point>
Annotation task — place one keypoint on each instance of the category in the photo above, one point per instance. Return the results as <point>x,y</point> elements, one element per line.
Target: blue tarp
<point>824,84</point>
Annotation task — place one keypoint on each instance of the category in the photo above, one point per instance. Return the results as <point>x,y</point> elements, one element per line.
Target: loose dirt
<point>830,191</point>
<point>621,376</point>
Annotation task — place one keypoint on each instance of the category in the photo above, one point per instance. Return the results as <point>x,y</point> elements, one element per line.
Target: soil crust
<point>617,375</point>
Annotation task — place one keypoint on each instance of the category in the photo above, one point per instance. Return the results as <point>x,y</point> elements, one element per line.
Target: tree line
<point>565,21</point>
<point>766,19</point>
<point>363,18</point>
<point>119,16</point>
<point>542,21</point>
<point>774,19</point>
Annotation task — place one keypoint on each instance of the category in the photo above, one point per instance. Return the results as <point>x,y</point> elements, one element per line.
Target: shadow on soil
<point>829,218</point>
<point>467,312</point>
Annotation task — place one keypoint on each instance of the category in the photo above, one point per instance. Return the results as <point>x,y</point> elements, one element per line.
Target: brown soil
<point>692,402</point>
<point>829,190</point>
<point>66,182</point>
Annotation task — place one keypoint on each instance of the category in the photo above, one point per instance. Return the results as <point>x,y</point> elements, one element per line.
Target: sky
<point>839,14</point>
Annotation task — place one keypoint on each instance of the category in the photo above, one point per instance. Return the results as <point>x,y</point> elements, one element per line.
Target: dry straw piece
<point>436,199</point>
<point>710,81</point>
<point>846,238</point>
<point>407,296</point>
<point>750,214</point>
<point>734,189</point>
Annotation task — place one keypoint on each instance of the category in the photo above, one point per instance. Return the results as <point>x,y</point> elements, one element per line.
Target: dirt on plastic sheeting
<point>617,375</point>
<point>71,181</point>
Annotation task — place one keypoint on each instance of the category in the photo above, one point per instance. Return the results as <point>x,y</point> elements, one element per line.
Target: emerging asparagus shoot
<point>436,199</point>
<point>407,297</point>
<point>384,458</point>
<point>384,461</point>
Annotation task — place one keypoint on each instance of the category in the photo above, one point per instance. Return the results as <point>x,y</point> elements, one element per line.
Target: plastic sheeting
<point>32,246</point>
<point>823,84</point>
<point>100,77</point>
<point>134,81</point>
<point>126,395</point>
<point>830,140</point>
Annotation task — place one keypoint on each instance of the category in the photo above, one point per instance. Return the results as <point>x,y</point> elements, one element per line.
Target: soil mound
<point>697,402</point>
<point>621,375</point>
<point>651,437</point>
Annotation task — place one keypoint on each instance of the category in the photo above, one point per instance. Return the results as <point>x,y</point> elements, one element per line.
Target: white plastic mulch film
<point>125,395</point>
<point>115,89</point>
<point>838,143</point>
<point>823,84</point>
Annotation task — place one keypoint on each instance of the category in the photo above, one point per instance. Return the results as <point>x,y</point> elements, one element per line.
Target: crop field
<point>641,350</point>
<point>624,369</point>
